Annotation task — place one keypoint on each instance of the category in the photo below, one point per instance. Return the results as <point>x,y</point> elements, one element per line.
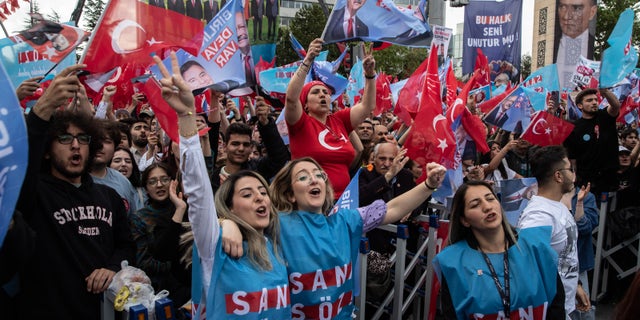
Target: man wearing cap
<point>593,144</point>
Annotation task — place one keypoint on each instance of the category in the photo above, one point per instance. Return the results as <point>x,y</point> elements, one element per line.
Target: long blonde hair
<point>257,249</point>
<point>282,190</point>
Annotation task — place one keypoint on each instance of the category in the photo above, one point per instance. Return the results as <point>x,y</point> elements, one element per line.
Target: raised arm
<point>614,104</point>
<point>406,202</point>
<point>292,106</point>
<point>367,104</point>
<point>197,188</point>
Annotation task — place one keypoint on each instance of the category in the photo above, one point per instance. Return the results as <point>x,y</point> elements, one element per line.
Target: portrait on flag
<point>494,27</point>
<point>575,30</point>
<point>513,113</point>
<point>52,40</point>
<point>23,62</point>
<point>515,194</point>
<point>224,62</point>
<point>379,20</point>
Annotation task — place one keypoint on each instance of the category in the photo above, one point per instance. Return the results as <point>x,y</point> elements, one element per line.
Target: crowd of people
<point>253,220</point>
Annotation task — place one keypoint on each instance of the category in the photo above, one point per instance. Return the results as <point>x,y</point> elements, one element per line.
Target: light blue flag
<point>276,80</point>
<point>543,78</point>
<point>14,146</point>
<point>356,81</point>
<point>621,57</point>
<point>537,99</point>
<point>395,89</point>
<point>23,62</point>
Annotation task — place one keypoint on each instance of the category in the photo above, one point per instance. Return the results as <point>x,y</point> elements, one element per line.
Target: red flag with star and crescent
<point>131,30</point>
<point>431,138</point>
<point>409,95</point>
<point>384,98</point>
<point>547,130</point>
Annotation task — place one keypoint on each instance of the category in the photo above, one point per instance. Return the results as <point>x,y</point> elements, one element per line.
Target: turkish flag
<point>5,8</point>
<point>546,130</point>
<point>431,138</point>
<point>460,103</point>
<point>482,65</point>
<point>475,128</point>
<point>14,5</point>
<point>167,117</point>
<point>384,100</point>
<point>409,96</point>
<point>628,105</point>
<point>131,30</point>
<point>452,86</point>
<point>263,65</point>
<point>52,40</point>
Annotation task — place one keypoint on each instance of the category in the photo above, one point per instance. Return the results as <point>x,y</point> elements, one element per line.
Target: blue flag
<point>573,112</point>
<point>350,198</point>
<point>14,147</point>
<point>621,57</point>
<point>379,20</point>
<point>297,47</point>
<point>356,81</point>
<point>224,62</point>
<point>543,78</point>
<point>23,62</point>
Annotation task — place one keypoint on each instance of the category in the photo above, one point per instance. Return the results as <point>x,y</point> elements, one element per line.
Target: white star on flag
<point>442,144</point>
<point>547,131</point>
<point>50,52</point>
<point>153,41</point>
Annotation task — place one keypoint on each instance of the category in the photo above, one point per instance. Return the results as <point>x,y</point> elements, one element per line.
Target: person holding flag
<point>316,132</point>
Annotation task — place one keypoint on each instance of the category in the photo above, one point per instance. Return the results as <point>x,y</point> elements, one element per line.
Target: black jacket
<point>78,230</point>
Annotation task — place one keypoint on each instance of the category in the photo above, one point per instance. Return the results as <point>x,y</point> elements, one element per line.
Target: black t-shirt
<point>593,143</point>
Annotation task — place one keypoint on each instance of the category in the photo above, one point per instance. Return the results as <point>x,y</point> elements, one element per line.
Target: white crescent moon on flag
<point>117,33</point>
<point>436,119</point>
<point>535,126</point>
<point>321,138</point>
<point>116,75</point>
<point>453,108</point>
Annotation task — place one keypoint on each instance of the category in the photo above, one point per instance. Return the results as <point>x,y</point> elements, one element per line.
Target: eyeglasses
<point>67,138</point>
<point>306,177</point>
<point>570,169</point>
<point>163,181</point>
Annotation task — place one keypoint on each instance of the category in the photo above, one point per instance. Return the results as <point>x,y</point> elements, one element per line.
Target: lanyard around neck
<point>505,293</point>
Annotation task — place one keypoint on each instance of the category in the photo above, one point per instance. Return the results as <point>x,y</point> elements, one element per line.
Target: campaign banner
<point>224,62</point>
<point>514,196</point>
<point>494,27</point>
<point>23,62</point>
<point>585,70</point>
<point>14,146</point>
<point>441,38</point>
<point>512,114</point>
<point>379,20</point>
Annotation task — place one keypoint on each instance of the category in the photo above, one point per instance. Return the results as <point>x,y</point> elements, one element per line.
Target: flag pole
<point>4,29</point>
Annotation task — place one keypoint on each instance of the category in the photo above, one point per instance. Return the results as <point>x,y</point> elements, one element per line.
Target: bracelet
<point>304,64</point>
<point>429,187</point>
<point>370,77</point>
<point>189,113</point>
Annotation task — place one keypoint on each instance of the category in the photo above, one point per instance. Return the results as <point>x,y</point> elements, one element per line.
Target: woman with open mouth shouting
<point>256,285</point>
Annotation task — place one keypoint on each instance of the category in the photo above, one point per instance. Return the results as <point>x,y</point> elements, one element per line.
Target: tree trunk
<point>77,12</point>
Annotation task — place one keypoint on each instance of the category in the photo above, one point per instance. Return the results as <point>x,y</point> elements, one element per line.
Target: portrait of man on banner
<point>52,40</point>
<point>574,35</point>
<point>379,20</point>
<point>220,65</point>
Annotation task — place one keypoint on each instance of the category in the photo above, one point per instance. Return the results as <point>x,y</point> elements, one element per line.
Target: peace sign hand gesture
<point>174,89</point>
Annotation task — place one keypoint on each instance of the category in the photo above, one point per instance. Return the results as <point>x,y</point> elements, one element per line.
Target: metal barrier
<point>402,296</point>
<point>604,251</point>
